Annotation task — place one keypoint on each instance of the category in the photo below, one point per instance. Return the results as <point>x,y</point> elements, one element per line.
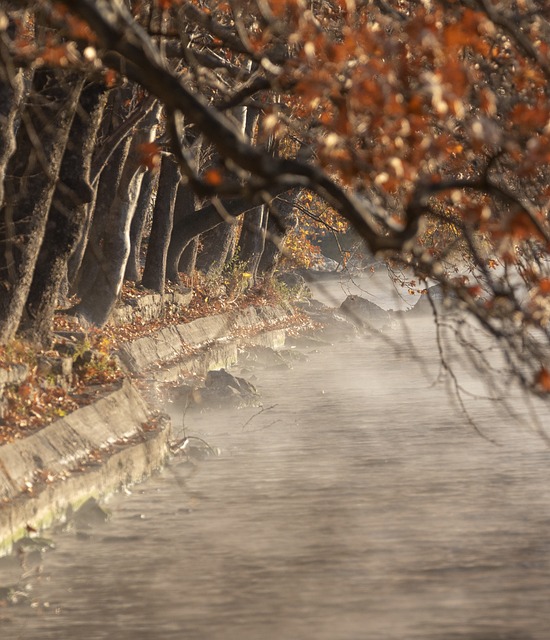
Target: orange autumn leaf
<point>165,5</point>
<point>213,177</point>
<point>79,30</point>
<point>528,116</point>
<point>54,56</point>
<point>462,32</point>
<point>110,77</point>
<point>523,227</point>
<point>543,379</point>
<point>25,391</point>
<point>149,155</point>
<point>475,291</point>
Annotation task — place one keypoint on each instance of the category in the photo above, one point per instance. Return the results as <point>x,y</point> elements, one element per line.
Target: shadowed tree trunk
<point>137,228</point>
<point>196,222</point>
<point>188,259</point>
<point>217,246</point>
<point>12,89</point>
<point>29,187</point>
<point>163,215</point>
<point>184,210</point>
<point>252,240</point>
<point>185,205</point>
<point>282,219</point>
<point>67,215</point>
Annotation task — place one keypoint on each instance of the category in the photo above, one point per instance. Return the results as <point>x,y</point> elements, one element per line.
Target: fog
<point>360,501</point>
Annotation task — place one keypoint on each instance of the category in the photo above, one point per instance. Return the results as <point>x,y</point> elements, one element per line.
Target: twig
<point>255,415</point>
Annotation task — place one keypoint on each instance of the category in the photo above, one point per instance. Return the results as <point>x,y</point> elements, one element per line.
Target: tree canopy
<point>424,124</point>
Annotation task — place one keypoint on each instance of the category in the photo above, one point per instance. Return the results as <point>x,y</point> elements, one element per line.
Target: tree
<point>67,213</point>
<point>154,272</point>
<point>423,125</point>
<point>29,187</point>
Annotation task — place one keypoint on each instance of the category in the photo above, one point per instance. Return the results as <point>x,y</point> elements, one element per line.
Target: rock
<point>15,374</point>
<point>296,283</point>
<point>28,544</point>
<point>195,449</point>
<point>364,314</point>
<point>225,390</point>
<point>442,301</point>
<point>221,378</point>
<point>262,357</point>
<point>90,514</point>
<point>326,264</point>
<point>182,397</point>
<point>293,355</point>
<point>12,376</point>
<point>55,368</point>
<point>334,326</point>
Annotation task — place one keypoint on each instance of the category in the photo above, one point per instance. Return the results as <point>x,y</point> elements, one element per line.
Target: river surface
<point>361,503</point>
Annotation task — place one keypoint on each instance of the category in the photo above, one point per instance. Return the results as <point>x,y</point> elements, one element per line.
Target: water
<point>359,504</point>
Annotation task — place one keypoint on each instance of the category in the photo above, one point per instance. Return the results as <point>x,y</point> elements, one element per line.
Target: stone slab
<point>63,444</point>
<point>48,504</point>
<point>113,425</point>
<point>149,307</point>
<point>169,345</point>
<point>89,453</point>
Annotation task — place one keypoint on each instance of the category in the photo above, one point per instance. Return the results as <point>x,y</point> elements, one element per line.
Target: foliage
<point>44,396</point>
<point>227,282</point>
<point>302,241</point>
<point>424,124</point>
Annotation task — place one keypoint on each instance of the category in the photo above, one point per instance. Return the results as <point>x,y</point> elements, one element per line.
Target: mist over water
<point>361,503</point>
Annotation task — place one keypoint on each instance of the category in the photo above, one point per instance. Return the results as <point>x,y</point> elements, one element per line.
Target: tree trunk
<point>67,215</point>
<point>84,264</point>
<point>163,216</point>
<point>252,240</point>
<point>282,219</point>
<point>217,245</point>
<point>137,228</point>
<point>183,211</point>
<point>105,171</point>
<point>29,189</point>
<point>187,227</point>
<point>188,258</point>
<point>12,88</point>
<point>113,249</point>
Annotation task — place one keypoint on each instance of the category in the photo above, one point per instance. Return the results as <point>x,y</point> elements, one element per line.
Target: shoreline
<point>122,437</point>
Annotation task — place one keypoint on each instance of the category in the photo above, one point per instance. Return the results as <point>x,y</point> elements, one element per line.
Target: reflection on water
<point>361,505</point>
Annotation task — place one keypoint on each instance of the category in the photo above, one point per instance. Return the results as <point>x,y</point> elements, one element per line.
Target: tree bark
<point>67,215</point>
<point>33,171</point>
<point>282,219</point>
<point>84,263</point>
<point>12,89</point>
<point>186,228</point>
<point>188,258</point>
<point>154,272</point>
<point>217,245</point>
<point>137,228</point>
<point>252,240</point>
<point>113,249</point>
<point>105,171</point>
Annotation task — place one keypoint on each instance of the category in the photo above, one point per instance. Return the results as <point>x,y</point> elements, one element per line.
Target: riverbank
<point>118,436</point>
